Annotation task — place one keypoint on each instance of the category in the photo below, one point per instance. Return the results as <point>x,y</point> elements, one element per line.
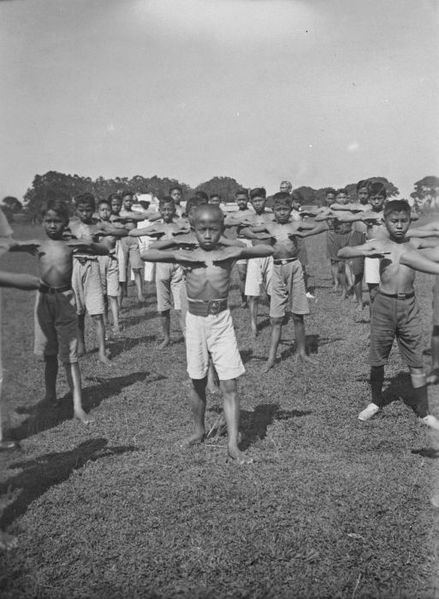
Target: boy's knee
<point>164,313</point>
<point>417,376</point>
<point>229,386</point>
<point>297,317</point>
<point>276,321</point>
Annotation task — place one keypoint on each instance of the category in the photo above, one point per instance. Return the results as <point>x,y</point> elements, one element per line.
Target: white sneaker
<point>309,295</point>
<point>370,411</point>
<point>431,422</point>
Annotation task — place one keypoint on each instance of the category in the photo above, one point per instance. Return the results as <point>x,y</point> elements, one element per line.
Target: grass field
<point>331,507</point>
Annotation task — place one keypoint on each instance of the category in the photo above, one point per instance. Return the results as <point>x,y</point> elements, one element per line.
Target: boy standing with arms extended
<point>86,276</point>
<point>395,312</point>
<point>288,293</point>
<point>56,320</point>
<point>169,277</point>
<point>209,326</point>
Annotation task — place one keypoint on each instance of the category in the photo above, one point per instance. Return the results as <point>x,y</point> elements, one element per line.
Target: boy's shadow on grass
<point>254,423</point>
<point>135,319</point>
<point>45,415</point>
<point>118,346</point>
<point>40,474</point>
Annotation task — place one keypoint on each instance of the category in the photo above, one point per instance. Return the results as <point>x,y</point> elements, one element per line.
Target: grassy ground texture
<point>332,507</point>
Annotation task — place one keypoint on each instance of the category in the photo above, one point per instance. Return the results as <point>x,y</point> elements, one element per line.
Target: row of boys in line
<point>207,259</point>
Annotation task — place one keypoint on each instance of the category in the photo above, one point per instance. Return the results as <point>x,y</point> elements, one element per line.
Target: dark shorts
<point>392,317</point>
<point>334,243</point>
<point>356,264</point>
<point>436,302</point>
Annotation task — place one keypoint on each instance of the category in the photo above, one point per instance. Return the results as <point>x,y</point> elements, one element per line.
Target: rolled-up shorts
<point>288,293</point>
<point>86,283</point>
<point>259,271</point>
<point>109,270</point>
<point>248,243</point>
<point>213,336</point>
<point>372,270</point>
<point>131,250</point>
<point>400,318</point>
<point>169,282</point>
<point>56,326</point>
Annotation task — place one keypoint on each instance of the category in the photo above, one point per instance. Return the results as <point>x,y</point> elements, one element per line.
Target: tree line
<point>425,190</point>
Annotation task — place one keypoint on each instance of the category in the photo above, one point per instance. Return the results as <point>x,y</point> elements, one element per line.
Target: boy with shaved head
<point>209,326</point>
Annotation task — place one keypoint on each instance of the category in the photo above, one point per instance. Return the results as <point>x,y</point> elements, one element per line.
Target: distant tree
<point>225,186</point>
<point>306,195</point>
<point>426,191</point>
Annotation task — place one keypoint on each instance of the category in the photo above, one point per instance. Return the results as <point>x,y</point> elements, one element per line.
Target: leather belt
<point>284,260</point>
<point>52,290</point>
<point>398,295</point>
<point>204,308</point>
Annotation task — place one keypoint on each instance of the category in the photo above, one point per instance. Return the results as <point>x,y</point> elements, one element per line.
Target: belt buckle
<point>401,295</point>
<point>214,307</point>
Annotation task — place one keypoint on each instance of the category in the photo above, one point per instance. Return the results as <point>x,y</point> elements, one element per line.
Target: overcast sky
<point>321,92</point>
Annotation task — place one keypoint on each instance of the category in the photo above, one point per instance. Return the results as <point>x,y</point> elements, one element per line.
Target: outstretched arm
<point>151,231</point>
<point>306,230</point>
<point>23,281</point>
<point>371,249</point>
<point>425,260</point>
<point>89,247</point>
<point>427,230</point>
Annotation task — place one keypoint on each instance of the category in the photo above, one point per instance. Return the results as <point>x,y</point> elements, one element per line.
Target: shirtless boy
<point>56,320</point>
<point>130,246</point>
<point>169,277</point>
<point>288,293</point>
<point>233,228</point>
<point>86,277</point>
<point>259,270</point>
<point>209,327</point>
<point>395,312</point>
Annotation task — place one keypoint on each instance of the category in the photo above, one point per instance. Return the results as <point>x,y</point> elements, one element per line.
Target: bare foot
<point>268,365</point>
<point>83,417</point>
<point>7,541</point>
<point>104,359</point>
<point>235,454</point>
<point>433,377</point>
<point>195,439</point>
<point>164,343</point>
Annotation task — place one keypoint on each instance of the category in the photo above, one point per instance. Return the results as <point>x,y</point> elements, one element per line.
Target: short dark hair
<point>176,188</point>
<point>114,196</point>
<point>128,192</point>
<point>202,194</point>
<point>215,195</point>
<point>104,201</point>
<point>282,198</point>
<point>378,188</point>
<point>216,210</point>
<point>166,200</point>
<point>330,190</point>
<point>194,202</point>
<point>86,198</point>
<point>258,192</point>
<point>341,190</point>
<point>363,183</point>
<point>56,204</point>
<point>241,192</point>
<point>397,206</point>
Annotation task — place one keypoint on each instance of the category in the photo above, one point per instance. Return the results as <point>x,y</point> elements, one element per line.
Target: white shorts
<point>213,336</point>
<point>150,267</point>
<point>259,271</point>
<point>248,243</point>
<point>372,270</point>
<point>169,282</point>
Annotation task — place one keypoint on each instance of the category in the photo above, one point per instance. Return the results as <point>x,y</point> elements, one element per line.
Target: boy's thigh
<point>436,301</point>
<point>103,271</point>
<point>223,347</point>
<point>297,291</point>
<point>134,256</point>
<point>382,329</point>
<point>93,293</point>
<point>254,277</point>
<point>279,297</point>
<point>197,354</point>
<point>177,284</point>
<point>67,327</point>
<point>112,279</point>
<point>45,338</point>
<point>409,334</point>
